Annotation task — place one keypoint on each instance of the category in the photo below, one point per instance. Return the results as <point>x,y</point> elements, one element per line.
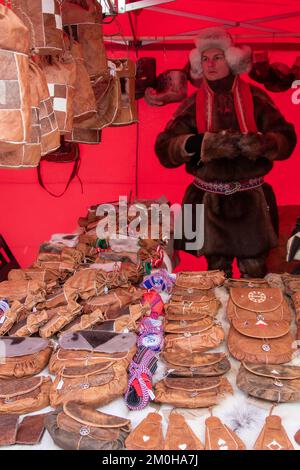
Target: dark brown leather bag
<point>196,364</point>
<point>78,427</point>
<point>270,382</point>
<point>24,395</point>
<point>23,357</point>
<point>192,392</point>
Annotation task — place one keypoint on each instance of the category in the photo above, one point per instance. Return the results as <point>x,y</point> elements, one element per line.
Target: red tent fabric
<point>125,160</point>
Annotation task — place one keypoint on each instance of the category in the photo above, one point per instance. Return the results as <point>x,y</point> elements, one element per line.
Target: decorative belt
<point>230,187</point>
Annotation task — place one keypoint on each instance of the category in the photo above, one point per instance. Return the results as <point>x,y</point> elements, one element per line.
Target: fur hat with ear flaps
<point>239,59</point>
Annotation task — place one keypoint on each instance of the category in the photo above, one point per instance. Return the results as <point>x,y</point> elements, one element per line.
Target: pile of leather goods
<point>260,326</point>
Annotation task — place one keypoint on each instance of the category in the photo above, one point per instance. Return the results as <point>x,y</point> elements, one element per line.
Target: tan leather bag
<point>48,276</point>
<point>196,364</point>
<point>11,316</point>
<point>270,382</point>
<point>147,435</point>
<point>79,427</point>
<point>180,436</point>
<point>60,73</point>
<point>95,385</point>
<point>68,259</point>
<point>191,305</point>
<point>114,300</point>
<point>291,283</point>
<point>44,22</point>
<point>27,292</point>
<point>107,94</point>
<point>192,392</point>
<point>23,357</point>
<point>15,110</point>
<point>126,111</point>
<point>260,350</point>
<point>30,324</point>
<point>218,436</point>
<point>273,436</point>
<point>200,279</point>
<point>259,305</point>
<point>92,347</point>
<point>207,337</point>
<point>24,395</point>
<point>252,283</point>
<point>86,25</point>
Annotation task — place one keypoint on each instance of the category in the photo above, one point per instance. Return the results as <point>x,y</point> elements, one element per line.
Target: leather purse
<point>79,427</point>
<point>190,303</point>
<point>147,435</point>
<point>260,326</point>
<point>23,357</point>
<point>203,280</point>
<point>270,382</point>
<point>192,392</point>
<point>24,395</point>
<point>252,283</point>
<point>95,385</point>
<point>180,436</point>
<point>273,436</point>
<point>90,347</point>
<point>208,336</point>
<point>196,364</point>
<point>218,436</point>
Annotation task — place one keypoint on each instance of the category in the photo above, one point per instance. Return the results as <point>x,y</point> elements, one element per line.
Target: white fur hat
<point>239,59</point>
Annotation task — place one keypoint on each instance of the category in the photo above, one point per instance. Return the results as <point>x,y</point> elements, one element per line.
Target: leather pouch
<point>31,430</point>
<point>200,279</point>
<point>218,436</point>
<point>91,347</point>
<point>209,337</point>
<point>270,382</point>
<point>94,385</point>
<point>196,364</point>
<point>192,392</point>
<point>147,435</point>
<point>23,357</point>
<point>79,427</point>
<point>180,436</point>
<point>8,429</point>
<point>24,395</point>
<point>273,436</point>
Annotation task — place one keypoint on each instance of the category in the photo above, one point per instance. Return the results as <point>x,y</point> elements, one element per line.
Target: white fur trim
<point>239,59</point>
<point>213,38</point>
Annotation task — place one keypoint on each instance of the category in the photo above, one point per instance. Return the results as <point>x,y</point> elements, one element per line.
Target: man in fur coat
<point>228,134</point>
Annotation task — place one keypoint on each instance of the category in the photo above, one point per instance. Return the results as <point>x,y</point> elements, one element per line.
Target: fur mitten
<point>217,145</point>
<point>257,145</point>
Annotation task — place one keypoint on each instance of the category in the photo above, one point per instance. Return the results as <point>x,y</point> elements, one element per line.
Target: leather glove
<point>193,144</point>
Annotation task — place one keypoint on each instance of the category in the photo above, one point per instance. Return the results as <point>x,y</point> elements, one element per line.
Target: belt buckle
<point>236,187</point>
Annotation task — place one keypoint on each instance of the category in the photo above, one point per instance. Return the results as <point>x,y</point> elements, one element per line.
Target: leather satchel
<point>180,436</point>
<point>260,326</point>
<point>196,364</point>
<point>192,392</point>
<point>79,427</point>
<point>24,395</point>
<point>208,336</point>
<point>200,279</point>
<point>95,385</point>
<point>260,350</point>
<point>91,347</point>
<point>252,283</point>
<point>270,382</point>
<point>273,436</point>
<point>191,304</point>
<point>147,435</point>
<point>23,357</point>
<point>218,436</point>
